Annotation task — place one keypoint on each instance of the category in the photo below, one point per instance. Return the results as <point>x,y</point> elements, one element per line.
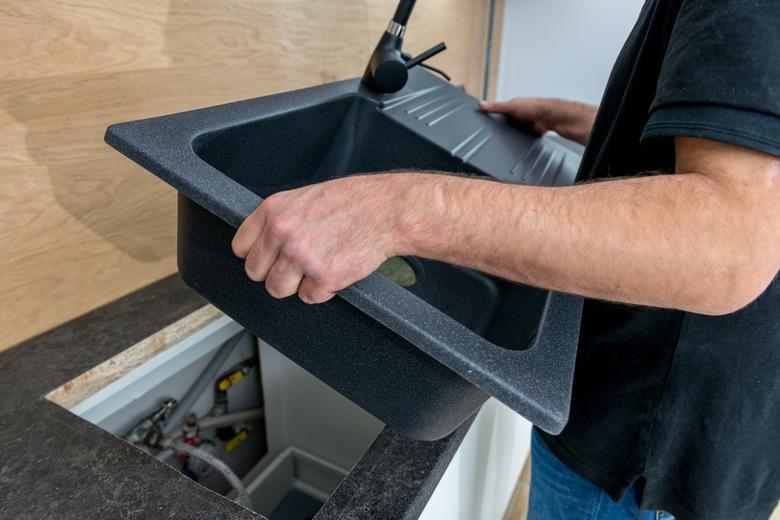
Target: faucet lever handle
<point>430,53</point>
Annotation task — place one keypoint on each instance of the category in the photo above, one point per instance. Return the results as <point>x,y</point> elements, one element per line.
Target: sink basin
<point>421,357</point>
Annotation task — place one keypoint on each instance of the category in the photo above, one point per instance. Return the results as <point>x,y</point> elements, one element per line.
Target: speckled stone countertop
<point>54,464</point>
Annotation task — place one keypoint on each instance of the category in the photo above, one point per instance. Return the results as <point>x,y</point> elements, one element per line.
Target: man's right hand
<point>570,119</point>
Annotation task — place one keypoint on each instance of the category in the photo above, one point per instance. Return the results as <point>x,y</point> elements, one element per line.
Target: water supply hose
<point>242,497</point>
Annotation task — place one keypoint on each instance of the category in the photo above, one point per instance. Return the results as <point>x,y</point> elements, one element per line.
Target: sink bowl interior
<point>314,144</point>
<point>349,135</point>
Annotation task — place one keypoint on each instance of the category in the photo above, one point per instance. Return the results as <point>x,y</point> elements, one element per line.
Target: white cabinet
<point>479,481</point>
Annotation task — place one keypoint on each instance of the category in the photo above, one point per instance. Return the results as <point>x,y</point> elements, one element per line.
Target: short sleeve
<point>720,77</point>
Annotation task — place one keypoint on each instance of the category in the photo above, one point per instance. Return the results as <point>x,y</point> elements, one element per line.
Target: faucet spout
<point>403,12</point>
<point>387,69</point>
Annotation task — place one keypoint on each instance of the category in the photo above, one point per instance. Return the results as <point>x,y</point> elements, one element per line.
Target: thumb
<point>524,110</point>
<point>500,107</point>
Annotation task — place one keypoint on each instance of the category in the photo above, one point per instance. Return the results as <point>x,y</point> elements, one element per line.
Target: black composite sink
<point>424,357</point>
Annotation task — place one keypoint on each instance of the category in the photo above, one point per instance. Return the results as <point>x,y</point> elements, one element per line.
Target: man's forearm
<point>666,240</point>
<point>706,242</point>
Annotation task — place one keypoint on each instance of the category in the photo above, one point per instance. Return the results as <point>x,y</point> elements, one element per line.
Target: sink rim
<point>481,362</point>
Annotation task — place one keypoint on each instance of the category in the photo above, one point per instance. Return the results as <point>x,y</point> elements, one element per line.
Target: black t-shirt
<point>685,406</point>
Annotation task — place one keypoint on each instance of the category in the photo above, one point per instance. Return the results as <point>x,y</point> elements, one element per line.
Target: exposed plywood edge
<point>495,48</point>
<point>518,504</point>
<point>78,389</point>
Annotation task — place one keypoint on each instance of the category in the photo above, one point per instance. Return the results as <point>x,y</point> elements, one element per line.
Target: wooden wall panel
<point>79,224</point>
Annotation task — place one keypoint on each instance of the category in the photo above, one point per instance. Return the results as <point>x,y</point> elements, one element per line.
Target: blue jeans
<point>557,493</point>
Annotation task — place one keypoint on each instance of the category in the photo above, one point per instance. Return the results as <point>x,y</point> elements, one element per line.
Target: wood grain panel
<point>495,48</point>
<point>79,224</point>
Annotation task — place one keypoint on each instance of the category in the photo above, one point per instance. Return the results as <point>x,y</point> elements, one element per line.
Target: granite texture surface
<point>394,479</point>
<point>53,464</point>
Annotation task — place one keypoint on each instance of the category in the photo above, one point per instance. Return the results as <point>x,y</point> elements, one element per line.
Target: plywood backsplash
<point>79,224</point>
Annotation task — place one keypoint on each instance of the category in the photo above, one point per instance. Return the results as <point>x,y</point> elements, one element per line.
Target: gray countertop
<point>55,464</point>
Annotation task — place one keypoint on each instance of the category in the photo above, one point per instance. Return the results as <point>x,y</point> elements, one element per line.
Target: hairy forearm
<point>672,241</point>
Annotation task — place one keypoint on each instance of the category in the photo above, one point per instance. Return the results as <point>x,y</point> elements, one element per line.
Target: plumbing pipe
<point>242,496</point>
<point>205,379</point>
<point>223,420</point>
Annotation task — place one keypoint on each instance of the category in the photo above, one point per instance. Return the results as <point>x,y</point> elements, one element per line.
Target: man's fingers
<point>248,233</point>
<point>525,110</point>
<point>500,107</point>
<point>283,278</point>
<point>261,257</point>
<point>312,292</point>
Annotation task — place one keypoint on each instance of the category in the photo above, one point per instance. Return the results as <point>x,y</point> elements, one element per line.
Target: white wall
<point>304,412</point>
<point>562,48</point>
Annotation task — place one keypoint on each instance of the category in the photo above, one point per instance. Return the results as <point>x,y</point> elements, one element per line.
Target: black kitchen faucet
<point>387,68</point>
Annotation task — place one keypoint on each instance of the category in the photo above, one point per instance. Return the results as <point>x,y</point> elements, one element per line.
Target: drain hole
<point>399,271</point>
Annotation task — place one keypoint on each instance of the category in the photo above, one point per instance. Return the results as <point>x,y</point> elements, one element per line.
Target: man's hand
<point>322,238</point>
<point>570,119</point>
